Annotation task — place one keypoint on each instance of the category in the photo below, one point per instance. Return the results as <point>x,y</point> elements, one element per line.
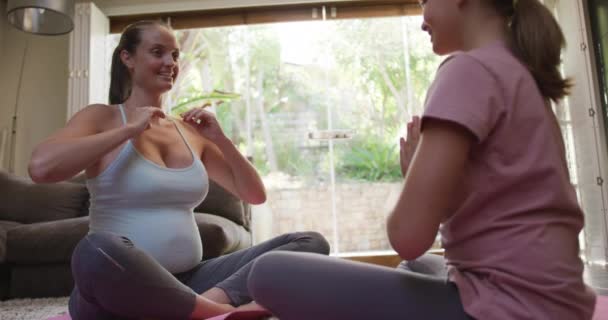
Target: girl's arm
<point>430,188</point>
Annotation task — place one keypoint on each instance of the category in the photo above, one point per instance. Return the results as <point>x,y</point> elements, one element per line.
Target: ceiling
<point>135,7</point>
<point>131,7</point>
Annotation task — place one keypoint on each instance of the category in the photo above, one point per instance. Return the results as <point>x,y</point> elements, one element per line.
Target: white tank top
<point>151,205</point>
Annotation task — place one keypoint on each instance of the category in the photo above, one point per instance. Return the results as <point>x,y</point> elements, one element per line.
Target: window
<point>318,103</point>
<point>596,231</point>
<point>319,106</point>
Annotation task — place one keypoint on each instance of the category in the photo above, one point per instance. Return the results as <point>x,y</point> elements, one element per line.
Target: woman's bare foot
<point>252,306</point>
<point>205,308</point>
<point>216,294</point>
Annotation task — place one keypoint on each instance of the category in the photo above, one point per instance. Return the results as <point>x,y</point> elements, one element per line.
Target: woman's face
<point>154,66</point>
<point>441,20</point>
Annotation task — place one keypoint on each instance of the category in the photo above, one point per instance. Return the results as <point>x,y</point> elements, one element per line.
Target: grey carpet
<point>38,309</point>
<point>32,309</point>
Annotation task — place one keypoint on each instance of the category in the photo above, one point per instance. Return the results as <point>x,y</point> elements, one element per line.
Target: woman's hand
<point>204,122</point>
<point>407,146</point>
<point>144,116</point>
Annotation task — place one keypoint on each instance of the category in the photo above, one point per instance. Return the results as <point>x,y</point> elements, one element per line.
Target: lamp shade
<point>45,17</point>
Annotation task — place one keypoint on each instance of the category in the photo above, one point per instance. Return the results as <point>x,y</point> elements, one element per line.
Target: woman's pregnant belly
<point>171,237</point>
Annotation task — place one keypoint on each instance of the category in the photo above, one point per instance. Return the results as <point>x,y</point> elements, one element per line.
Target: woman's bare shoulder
<point>182,124</point>
<point>98,109</point>
<point>97,115</point>
<point>189,130</point>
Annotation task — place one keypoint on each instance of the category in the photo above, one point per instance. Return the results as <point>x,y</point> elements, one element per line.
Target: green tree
<point>361,70</point>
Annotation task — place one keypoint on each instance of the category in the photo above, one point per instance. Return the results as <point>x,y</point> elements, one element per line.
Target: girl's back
<point>517,224</point>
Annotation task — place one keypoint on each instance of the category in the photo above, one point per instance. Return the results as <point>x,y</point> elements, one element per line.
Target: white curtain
<point>581,113</point>
<point>89,58</point>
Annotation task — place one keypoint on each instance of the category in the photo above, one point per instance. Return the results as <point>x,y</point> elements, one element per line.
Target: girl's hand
<point>408,146</point>
<point>205,123</point>
<point>144,116</point>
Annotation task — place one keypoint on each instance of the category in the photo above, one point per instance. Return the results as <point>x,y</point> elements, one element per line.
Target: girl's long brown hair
<point>537,40</point>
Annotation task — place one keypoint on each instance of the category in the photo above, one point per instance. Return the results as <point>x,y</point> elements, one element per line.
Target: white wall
<point>42,100</point>
<point>4,118</point>
<point>2,18</point>
<point>43,95</point>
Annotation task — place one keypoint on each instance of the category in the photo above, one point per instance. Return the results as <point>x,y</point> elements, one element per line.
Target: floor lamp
<point>40,17</point>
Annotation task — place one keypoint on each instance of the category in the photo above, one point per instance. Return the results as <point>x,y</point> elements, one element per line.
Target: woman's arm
<point>228,167</point>
<point>80,144</point>
<point>225,164</point>
<point>432,181</point>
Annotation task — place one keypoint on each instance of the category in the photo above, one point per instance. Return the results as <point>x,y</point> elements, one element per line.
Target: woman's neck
<point>140,98</point>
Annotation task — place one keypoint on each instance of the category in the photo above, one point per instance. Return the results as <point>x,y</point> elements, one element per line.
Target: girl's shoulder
<point>495,63</point>
<point>463,68</point>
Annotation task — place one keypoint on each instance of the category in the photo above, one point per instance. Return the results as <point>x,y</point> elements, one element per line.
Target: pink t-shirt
<point>512,243</point>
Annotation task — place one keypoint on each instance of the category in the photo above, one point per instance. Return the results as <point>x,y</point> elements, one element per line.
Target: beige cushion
<point>23,201</point>
<point>220,235</point>
<point>47,242</point>
<point>222,203</point>
<point>53,242</point>
<point>4,227</point>
<point>41,281</point>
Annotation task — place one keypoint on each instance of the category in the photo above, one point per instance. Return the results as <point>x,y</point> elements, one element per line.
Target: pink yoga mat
<point>601,313</point>
<point>60,317</point>
<point>601,308</point>
<point>241,315</point>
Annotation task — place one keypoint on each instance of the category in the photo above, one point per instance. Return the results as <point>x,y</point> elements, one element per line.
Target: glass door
<point>319,107</point>
<point>348,89</point>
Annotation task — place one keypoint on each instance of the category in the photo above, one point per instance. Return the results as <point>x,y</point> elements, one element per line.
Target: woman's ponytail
<point>120,78</point>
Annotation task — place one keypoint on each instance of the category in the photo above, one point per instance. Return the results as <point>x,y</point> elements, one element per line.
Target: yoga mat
<point>239,315</point>
<point>601,308</point>
<point>601,313</point>
<point>242,315</point>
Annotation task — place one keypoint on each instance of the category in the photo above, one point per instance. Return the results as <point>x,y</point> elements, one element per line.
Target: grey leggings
<point>299,286</point>
<point>116,280</point>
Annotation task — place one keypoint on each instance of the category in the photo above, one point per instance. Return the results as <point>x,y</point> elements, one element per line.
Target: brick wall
<point>361,209</point>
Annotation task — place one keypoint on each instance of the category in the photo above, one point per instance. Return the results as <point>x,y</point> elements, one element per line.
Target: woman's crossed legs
<point>116,280</point>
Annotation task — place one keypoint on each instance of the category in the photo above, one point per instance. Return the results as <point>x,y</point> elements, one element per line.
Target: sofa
<point>40,225</point>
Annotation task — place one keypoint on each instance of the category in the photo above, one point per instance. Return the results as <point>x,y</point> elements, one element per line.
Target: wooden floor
<point>390,261</point>
<point>383,258</point>
<point>595,276</point>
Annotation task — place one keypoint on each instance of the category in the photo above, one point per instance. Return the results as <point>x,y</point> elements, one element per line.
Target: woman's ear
<point>126,59</point>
